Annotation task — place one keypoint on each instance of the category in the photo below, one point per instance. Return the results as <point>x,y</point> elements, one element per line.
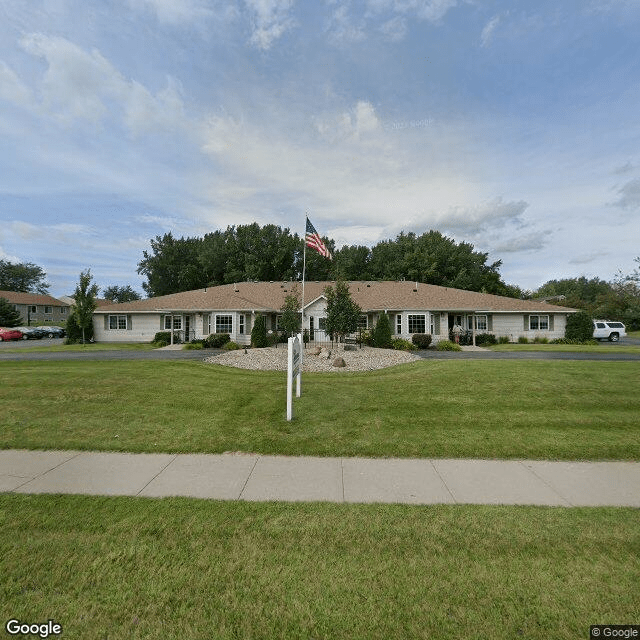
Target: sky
<point>514,126</point>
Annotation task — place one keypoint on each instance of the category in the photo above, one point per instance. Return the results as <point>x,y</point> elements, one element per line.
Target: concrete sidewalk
<point>364,480</point>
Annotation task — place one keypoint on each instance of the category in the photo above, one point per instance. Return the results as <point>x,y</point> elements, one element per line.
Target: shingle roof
<point>371,296</point>
<point>18,297</point>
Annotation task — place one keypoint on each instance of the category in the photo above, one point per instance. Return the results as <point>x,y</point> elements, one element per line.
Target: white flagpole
<point>304,267</point>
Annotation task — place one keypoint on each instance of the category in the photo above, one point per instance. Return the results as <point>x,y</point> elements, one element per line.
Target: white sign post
<point>294,368</point>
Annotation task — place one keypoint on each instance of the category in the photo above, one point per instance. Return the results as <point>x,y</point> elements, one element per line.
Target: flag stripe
<point>314,241</point>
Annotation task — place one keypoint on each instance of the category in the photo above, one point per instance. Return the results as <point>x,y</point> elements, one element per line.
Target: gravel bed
<point>365,359</point>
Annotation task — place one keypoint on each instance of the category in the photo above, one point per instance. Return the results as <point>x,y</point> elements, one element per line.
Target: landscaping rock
<point>316,351</point>
<point>339,362</point>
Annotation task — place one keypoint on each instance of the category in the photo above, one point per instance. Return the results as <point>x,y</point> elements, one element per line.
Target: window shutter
<point>161,322</point>
<point>526,322</point>
<point>106,322</point>
<point>551,317</point>
<point>129,323</point>
<point>489,323</point>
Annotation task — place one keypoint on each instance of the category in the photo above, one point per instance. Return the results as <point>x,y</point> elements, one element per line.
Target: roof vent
<point>368,285</point>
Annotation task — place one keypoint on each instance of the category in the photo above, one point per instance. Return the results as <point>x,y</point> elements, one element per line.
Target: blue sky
<point>511,125</point>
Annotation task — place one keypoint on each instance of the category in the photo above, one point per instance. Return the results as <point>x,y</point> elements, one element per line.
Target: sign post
<point>294,369</point>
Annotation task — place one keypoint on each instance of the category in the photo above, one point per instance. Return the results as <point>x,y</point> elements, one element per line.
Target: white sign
<point>294,368</point>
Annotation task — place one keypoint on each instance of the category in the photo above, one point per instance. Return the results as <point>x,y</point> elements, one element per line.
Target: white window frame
<point>540,320</point>
<point>117,321</point>
<point>241,324</point>
<point>32,308</point>
<point>482,323</point>
<point>412,318</point>
<point>219,324</point>
<point>48,309</point>
<point>177,323</point>
<point>398,324</point>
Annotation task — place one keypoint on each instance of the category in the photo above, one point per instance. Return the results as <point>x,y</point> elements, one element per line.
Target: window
<point>63,310</point>
<point>241,328</point>
<point>117,322</point>
<point>177,322</point>
<point>32,308</point>
<point>322,324</point>
<point>399,324</point>
<point>540,323</point>
<point>48,309</point>
<point>224,324</point>
<point>417,324</point>
<point>481,323</point>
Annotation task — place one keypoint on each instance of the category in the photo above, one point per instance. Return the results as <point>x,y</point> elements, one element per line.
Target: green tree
<point>291,318</point>
<point>115,293</point>
<point>85,303</point>
<point>9,316</point>
<point>381,333</point>
<point>342,312</point>
<point>259,333</point>
<point>579,327</point>
<point>22,276</point>
<point>578,293</point>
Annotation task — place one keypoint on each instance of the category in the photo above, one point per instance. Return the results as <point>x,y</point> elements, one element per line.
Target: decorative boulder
<point>339,362</point>
<point>315,351</point>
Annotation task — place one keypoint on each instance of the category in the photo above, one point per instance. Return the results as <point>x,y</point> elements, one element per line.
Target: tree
<point>579,327</point>
<point>22,276</point>
<point>342,312</point>
<point>9,315</point>
<point>121,294</point>
<point>290,319</point>
<point>381,334</point>
<point>85,303</point>
<point>259,333</point>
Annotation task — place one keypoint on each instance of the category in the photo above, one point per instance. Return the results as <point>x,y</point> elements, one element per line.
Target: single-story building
<point>414,307</point>
<point>36,308</point>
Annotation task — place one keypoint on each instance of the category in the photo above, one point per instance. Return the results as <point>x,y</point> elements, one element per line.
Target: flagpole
<point>304,267</point>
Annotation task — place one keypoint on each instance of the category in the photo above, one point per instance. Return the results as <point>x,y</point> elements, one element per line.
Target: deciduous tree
<point>22,276</point>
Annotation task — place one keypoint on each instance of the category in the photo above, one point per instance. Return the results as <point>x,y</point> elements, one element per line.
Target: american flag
<point>312,239</point>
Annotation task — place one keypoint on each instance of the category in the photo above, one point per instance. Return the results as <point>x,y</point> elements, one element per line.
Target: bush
<point>74,331</point>
<point>485,338</point>
<point>367,338</point>
<point>523,340</point>
<point>447,345</point>
<point>421,340</point>
<point>259,333</point>
<point>163,338</point>
<point>541,340</point>
<point>231,346</point>
<point>503,340</point>
<point>382,332</point>
<point>402,345</point>
<point>216,340</point>
<point>193,345</point>
<point>579,326</point>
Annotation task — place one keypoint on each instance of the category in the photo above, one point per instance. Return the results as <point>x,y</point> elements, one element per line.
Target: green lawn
<point>96,346</point>
<point>184,569</point>
<point>604,347</point>
<point>435,408</point>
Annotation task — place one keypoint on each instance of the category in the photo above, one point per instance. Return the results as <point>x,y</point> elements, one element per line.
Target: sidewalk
<point>364,480</point>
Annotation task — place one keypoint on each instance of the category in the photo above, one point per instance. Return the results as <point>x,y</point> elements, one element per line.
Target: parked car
<point>53,332</point>
<point>31,333</point>
<point>10,334</point>
<point>607,330</point>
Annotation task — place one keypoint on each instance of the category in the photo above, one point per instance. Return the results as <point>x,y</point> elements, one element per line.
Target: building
<point>414,307</point>
<point>36,308</point>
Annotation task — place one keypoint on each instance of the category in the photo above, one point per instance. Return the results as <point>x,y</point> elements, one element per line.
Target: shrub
<point>541,340</point>
<point>163,338</point>
<point>421,340</point>
<point>259,333</point>
<point>367,338</point>
<point>216,340</point>
<point>74,331</point>
<point>485,338</point>
<point>523,340</point>
<point>579,326</point>
<point>193,345</point>
<point>382,332</point>
<point>447,345</point>
<point>402,345</point>
<point>503,340</point>
<point>231,346</point>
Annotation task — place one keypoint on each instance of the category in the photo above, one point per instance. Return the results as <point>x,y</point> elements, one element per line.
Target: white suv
<point>606,330</point>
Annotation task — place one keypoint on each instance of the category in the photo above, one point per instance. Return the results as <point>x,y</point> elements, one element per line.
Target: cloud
<point>79,84</point>
<point>62,233</point>
<point>629,195</point>
<point>175,11</point>
<point>493,213</point>
<point>270,19</point>
<point>589,257</point>
<point>534,241</point>
<point>487,32</point>
<point>11,88</point>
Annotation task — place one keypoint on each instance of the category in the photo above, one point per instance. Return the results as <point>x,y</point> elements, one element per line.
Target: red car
<point>10,334</point>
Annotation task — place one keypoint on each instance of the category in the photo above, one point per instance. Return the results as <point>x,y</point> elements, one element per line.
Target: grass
<point>480,409</point>
<point>180,568</point>
<point>95,346</point>
<point>603,347</point>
